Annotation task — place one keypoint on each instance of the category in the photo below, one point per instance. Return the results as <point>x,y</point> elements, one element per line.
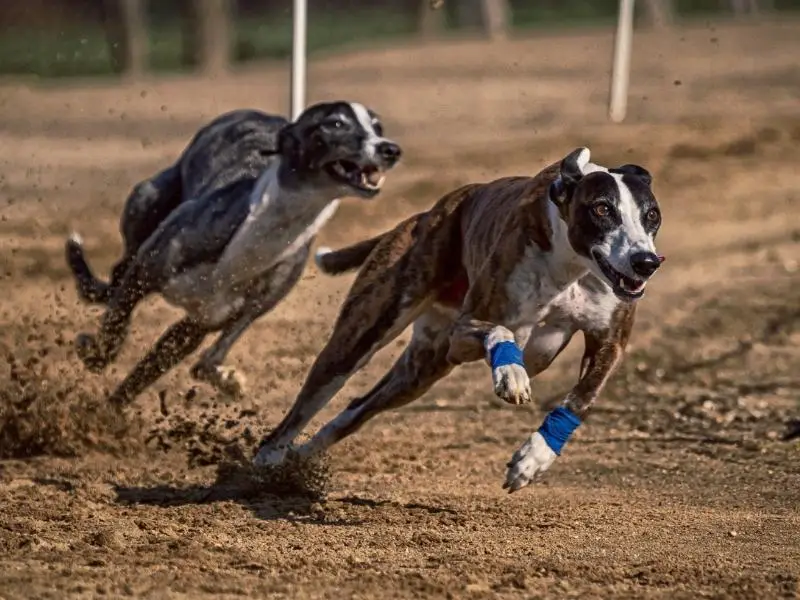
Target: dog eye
<point>652,215</point>
<point>377,128</point>
<point>601,210</point>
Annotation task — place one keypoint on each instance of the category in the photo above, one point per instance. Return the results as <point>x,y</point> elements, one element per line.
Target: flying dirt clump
<point>213,433</point>
<point>47,408</point>
<point>296,477</point>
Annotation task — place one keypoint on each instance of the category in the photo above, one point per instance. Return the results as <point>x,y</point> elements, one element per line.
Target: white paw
<point>532,458</point>
<point>226,380</point>
<point>321,251</point>
<point>76,238</point>
<point>270,456</point>
<point>512,383</point>
<point>231,382</point>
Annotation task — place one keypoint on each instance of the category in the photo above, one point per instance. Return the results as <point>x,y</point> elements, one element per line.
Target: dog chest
<point>589,303</point>
<point>279,224</point>
<point>277,228</point>
<point>536,281</point>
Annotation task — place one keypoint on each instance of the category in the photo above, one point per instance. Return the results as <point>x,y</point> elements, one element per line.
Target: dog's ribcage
<point>280,224</point>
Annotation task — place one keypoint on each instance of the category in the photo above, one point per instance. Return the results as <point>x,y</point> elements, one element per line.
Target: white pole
<point>297,96</point>
<point>621,69</point>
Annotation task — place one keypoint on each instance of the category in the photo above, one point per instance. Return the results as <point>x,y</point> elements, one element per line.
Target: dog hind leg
<point>96,352</point>
<point>422,364</point>
<point>147,206</point>
<point>149,203</point>
<point>91,289</point>
<point>178,342</point>
<point>382,302</point>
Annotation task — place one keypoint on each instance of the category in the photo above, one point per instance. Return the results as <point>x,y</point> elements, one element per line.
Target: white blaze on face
<point>630,236</point>
<point>367,123</point>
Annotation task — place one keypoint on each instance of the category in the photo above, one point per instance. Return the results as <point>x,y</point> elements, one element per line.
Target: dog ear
<point>572,166</point>
<point>570,173</point>
<point>290,145</point>
<point>636,171</point>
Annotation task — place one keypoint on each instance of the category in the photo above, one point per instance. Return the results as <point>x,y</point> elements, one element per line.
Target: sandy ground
<point>680,485</point>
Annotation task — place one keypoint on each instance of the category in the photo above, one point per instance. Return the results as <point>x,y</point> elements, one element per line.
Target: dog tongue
<point>373,176</point>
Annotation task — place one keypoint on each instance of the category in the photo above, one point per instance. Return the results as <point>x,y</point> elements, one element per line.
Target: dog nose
<point>389,151</point>
<point>645,264</point>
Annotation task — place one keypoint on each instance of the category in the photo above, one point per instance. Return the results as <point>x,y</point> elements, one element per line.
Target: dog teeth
<point>633,289</point>
<point>373,178</point>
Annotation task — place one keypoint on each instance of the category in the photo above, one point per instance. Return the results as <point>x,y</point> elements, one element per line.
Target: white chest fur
<point>540,277</point>
<point>556,286</point>
<point>280,223</point>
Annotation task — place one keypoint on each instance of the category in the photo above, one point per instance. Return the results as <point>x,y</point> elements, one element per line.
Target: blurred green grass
<point>82,50</point>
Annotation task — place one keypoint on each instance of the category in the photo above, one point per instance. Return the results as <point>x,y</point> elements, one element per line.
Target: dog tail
<point>90,288</point>
<point>349,258</point>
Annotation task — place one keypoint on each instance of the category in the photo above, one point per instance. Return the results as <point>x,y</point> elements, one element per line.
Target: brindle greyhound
<point>520,262</point>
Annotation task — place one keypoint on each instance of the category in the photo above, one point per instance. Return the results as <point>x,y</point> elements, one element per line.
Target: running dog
<point>226,231</point>
<point>491,269</point>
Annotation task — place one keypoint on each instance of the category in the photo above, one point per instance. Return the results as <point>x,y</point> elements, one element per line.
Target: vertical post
<point>621,68</point>
<point>297,98</point>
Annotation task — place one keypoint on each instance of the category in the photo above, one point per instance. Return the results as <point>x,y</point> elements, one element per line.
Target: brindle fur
<point>448,273</point>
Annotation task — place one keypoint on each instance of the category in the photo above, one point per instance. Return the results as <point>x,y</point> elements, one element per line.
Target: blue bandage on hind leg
<point>558,427</point>
<point>505,353</point>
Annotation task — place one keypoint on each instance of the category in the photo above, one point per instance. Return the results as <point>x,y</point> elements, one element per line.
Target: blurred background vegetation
<point>63,38</point>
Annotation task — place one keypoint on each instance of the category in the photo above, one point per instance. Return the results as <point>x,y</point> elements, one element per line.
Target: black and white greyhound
<point>226,231</point>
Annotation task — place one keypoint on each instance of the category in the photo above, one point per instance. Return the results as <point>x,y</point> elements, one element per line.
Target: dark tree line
<point>206,34</point>
<point>207,25</point>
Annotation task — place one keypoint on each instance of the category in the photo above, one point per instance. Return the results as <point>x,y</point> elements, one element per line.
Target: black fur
<point>186,216</point>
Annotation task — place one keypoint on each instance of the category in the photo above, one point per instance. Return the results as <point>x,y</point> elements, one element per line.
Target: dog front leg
<point>473,339</point>
<point>178,342</point>
<point>603,352</point>
<point>278,282</point>
<point>209,368</point>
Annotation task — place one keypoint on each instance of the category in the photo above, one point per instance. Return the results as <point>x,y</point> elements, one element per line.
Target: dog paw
<point>320,254</point>
<point>88,351</point>
<point>231,382</point>
<point>270,455</point>
<point>512,384</point>
<point>226,380</point>
<point>534,457</point>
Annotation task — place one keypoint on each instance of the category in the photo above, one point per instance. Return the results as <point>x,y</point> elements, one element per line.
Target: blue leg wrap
<point>558,426</point>
<point>505,353</point>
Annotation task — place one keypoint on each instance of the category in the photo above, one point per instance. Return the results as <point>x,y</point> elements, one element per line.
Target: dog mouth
<point>624,287</point>
<point>368,179</point>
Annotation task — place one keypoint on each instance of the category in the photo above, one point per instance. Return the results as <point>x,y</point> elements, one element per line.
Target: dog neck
<point>299,184</point>
<point>564,265</point>
<point>283,218</point>
<point>288,174</point>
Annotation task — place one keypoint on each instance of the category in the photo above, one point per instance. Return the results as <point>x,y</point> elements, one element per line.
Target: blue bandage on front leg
<point>505,353</point>
<point>558,426</point>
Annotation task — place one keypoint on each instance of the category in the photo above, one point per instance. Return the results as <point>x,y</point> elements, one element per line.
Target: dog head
<point>612,219</point>
<point>339,144</point>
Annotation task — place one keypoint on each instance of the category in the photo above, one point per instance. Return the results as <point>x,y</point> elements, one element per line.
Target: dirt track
<point>679,486</point>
